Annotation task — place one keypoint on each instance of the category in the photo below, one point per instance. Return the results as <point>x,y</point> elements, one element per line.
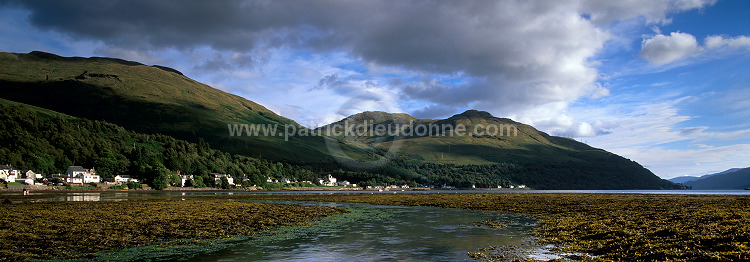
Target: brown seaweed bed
<point>80,229</point>
<point>588,227</point>
<point>600,227</point>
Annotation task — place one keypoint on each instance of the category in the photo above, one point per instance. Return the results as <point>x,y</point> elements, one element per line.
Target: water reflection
<point>386,233</point>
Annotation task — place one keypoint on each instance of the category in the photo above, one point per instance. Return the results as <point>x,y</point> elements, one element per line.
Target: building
<point>80,175</point>
<point>184,179</point>
<point>8,173</point>
<point>124,179</point>
<point>217,177</point>
<point>328,181</point>
<point>28,177</point>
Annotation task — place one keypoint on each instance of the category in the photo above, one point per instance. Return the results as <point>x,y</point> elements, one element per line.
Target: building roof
<point>77,168</point>
<point>6,167</point>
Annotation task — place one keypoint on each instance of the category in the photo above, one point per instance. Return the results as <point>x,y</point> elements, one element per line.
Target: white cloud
<point>717,41</point>
<point>700,160</point>
<point>662,49</point>
<point>647,133</point>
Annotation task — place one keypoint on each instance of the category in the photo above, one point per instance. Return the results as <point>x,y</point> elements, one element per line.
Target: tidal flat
<point>599,227</point>
<point>78,230</point>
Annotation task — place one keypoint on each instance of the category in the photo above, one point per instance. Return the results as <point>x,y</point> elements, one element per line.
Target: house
<point>80,175</point>
<point>218,177</point>
<point>123,179</point>
<point>344,183</point>
<point>28,177</point>
<point>8,174</point>
<point>184,179</point>
<point>328,181</point>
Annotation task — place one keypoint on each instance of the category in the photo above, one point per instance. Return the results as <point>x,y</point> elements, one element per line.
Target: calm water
<point>386,233</point>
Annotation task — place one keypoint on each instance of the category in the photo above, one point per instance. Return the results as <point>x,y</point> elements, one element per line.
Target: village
<point>80,176</point>
<point>87,178</point>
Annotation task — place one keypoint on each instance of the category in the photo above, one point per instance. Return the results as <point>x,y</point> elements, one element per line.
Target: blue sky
<point>663,82</point>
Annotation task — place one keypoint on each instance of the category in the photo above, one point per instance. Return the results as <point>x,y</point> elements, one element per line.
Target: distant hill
<point>683,179</point>
<point>527,155</point>
<point>738,179</point>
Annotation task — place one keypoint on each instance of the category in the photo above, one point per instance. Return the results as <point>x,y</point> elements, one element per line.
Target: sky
<point>665,83</point>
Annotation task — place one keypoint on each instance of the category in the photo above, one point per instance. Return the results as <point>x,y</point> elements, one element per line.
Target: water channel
<point>368,233</point>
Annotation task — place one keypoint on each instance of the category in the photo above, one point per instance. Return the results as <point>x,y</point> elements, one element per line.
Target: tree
<point>223,183</point>
<point>162,179</point>
<point>198,181</point>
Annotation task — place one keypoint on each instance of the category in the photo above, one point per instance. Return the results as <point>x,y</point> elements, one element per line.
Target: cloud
<point>662,49</point>
<point>699,160</point>
<point>524,59</point>
<point>435,112</point>
<point>603,12</point>
<point>717,41</point>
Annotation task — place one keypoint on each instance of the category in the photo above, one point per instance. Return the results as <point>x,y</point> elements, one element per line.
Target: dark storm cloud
<point>433,36</point>
<point>517,53</point>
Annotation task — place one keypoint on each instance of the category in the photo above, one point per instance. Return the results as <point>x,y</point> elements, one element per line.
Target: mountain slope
<point>148,99</point>
<point>739,179</point>
<point>524,154</point>
<point>160,100</point>
<point>683,179</point>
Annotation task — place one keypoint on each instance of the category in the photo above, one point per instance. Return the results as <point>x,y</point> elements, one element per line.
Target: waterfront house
<point>217,177</point>
<point>8,174</point>
<point>80,175</point>
<point>184,178</point>
<point>28,177</point>
<point>328,181</point>
<point>123,179</point>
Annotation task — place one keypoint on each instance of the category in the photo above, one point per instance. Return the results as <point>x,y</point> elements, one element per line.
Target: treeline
<point>610,172</point>
<point>48,143</point>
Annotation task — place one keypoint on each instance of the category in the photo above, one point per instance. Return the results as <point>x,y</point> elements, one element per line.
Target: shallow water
<point>368,233</point>
<point>385,233</point>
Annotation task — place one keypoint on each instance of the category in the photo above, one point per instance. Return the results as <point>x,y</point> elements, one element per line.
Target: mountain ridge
<point>150,99</point>
<point>739,178</point>
<point>683,179</point>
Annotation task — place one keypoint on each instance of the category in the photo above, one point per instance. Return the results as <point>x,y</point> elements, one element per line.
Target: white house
<point>8,174</point>
<point>184,179</point>
<point>28,177</point>
<point>124,179</point>
<point>80,175</point>
<point>217,177</point>
<point>328,181</point>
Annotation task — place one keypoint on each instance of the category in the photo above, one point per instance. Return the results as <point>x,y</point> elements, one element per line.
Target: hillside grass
<point>149,99</point>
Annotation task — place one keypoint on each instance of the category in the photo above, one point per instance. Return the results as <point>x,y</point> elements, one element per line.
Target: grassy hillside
<point>158,100</point>
<point>511,154</point>
<point>148,99</point>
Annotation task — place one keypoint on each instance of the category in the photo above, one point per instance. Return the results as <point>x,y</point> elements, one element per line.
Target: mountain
<point>149,99</point>
<point>683,179</point>
<point>473,148</point>
<point>477,141</point>
<point>737,179</point>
